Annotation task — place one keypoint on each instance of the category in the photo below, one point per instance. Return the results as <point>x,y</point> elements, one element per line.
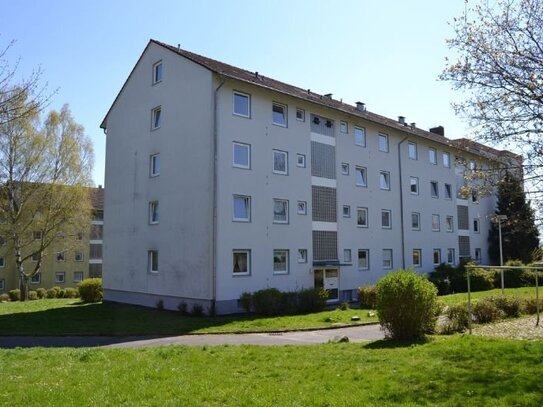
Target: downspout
<point>401,200</point>
<point>215,174</point>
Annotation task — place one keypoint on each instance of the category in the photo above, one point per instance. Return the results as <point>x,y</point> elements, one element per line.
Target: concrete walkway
<point>355,334</point>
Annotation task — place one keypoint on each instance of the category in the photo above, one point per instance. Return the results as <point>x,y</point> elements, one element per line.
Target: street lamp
<point>500,218</point>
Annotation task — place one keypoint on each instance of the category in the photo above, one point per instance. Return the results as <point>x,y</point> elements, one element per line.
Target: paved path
<point>355,334</point>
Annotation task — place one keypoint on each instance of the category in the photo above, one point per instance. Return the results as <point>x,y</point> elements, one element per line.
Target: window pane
<point>347,256</point>
<point>383,143</point>
<point>435,222</point>
<point>241,155</point>
<point>241,262</point>
<point>241,207</point>
<point>241,104</point>
<point>361,176</point>
<point>414,185</point>
<point>158,72</point>
<point>156,118</point>
<point>362,217</point>
<point>359,136</point>
<point>279,210</point>
<point>434,188</point>
<point>446,160</point>
<point>412,149</point>
<point>385,219</point>
<point>280,259</point>
<point>415,220</point>
<point>279,114</point>
<point>362,259</point>
<point>432,155</point>
<point>384,180</point>
<point>280,161</point>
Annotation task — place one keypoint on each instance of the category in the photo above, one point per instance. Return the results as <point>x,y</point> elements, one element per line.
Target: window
<point>414,185</point>
<point>448,191</point>
<point>156,115</point>
<point>242,208</point>
<point>346,211</point>
<point>362,218</point>
<point>279,114</point>
<point>154,165</point>
<point>95,251</point>
<point>79,236</point>
<point>363,259</point>
<point>241,262</point>
<point>417,258</point>
<point>280,261</point>
<point>300,160</point>
<point>435,223</point>
<point>2,262</point>
<point>302,255</point>
<point>37,235</point>
<point>241,155</point>
<point>152,261</point>
<point>302,208</point>
<point>386,222</point>
<point>478,254</point>
<point>361,179</point>
<point>60,277</point>
<point>97,232</point>
<point>383,143</point>
<point>412,150</point>
<point>450,256</point>
<point>242,104</point>
<point>345,168</point>
<point>473,196</point>
<point>95,270</point>
<point>2,284</point>
<point>36,278</point>
<point>343,127</point>
<point>78,276</point>
<point>61,256</point>
<point>432,155</point>
<point>360,136</point>
<point>280,162</point>
<point>476,226</point>
<point>35,257</point>
<point>78,256</point>
<point>446,160</point>
<point>300,114</point>
<point>434,189</point>
<point>2,241</point>
<point>387,258</point>
<point>157,72</point>
<point>437,257</point>
<point>449,222</point>
<point>415,220</point>
<point>347,256</point>
<point>153,212</point>
<point>384,180</point>
<point>280,211</point>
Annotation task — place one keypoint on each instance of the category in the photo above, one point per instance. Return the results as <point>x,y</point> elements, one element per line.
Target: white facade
<point>191,193</point>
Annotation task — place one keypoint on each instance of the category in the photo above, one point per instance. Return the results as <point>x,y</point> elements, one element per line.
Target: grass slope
<point>450,371</point>
<point>522,292</point>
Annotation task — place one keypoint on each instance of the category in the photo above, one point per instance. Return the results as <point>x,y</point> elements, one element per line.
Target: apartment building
<point>70,259</point>
<point>222,181</point>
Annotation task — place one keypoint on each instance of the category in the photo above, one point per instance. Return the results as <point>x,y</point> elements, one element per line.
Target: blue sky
<point>386,53</point>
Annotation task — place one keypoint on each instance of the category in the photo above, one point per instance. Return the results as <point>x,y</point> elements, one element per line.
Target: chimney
<point>401,119</point>
<point>328,96</point>
<point>413,125</point>
<point>99,186</point>
<point>361,107</point>
<point>440,130</point>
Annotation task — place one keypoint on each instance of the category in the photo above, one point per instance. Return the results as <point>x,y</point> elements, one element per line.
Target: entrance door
<point>328,278</point>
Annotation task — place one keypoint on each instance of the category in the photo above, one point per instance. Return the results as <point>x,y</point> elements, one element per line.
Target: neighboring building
<point>222,181</point>
<point>69,260</point>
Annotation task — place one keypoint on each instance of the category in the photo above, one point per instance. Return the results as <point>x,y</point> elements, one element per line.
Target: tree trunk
<point>23,279</point>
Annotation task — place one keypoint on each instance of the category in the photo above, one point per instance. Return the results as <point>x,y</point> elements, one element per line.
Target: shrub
<point>311,300</point>
<point>182,307</point>
<point>71,293</point>
<point>271,301</point>
<point>51,293</point>
<point>197,310</point>
<point>90,290</point>
<point>15,295</point>
<point>245,300</point>
<point>267,302</point>
<point>160,305</point>
<point>511,307</point>
<point>41,292</point>
<point>367,295</point>
<point>57,291</point>
<point>449,279</point>
<point>406,305</point>
<point>529,306</point>
<point>4,297</point>
<point>486,311</point>
<point>61,293</point>
<point>513,278</point>
<point>344,306</point>
<point>457,319</point>
<point>32,295</point>
<point>481,279</point>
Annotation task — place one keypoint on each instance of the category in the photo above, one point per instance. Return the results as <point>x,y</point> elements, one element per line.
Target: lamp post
<point>500,218</point>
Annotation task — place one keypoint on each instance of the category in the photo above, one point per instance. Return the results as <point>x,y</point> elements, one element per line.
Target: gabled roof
<point>256,79</point>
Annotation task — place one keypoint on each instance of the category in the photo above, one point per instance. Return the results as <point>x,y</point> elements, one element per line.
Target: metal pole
<point>537,296</point>
<point>501,250</point>
<point>469,302</point>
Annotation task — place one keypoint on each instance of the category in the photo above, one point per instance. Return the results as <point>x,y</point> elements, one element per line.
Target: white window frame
<point>387,266</point>
<point>247,203</point>
<point>156,117</point>
<point>154,165</point>
<point>302,256</point>
<point>343,127</point>
<point>436,189</point>
<point>384,180</point>
<point>300,160</point>
<point>301,208</point>
<point>364,210</point>
<point>451,257</point>
<point>367,266</point>
<point>388,213</point>
<point>244,146</point>
<point>285,114</point>
<point>416,184</point>
<point>363,174</point>
<point>345,168</point>
<point>158,70</point>
<point>383,143</point>
<point>60,280</point>
<point>152,261</point>
<point>419,252</point>
<point>449,223</point>
<point>432,155</point>
<point>448,192</point>
<point>346,211</point>
<point>362,132</point>
<point>77,273</point>
<point>476,221</point>
<point>285,155</point>
<point>247,253</point>
<point>81,256</point>
<point>302,111</point>
<point>347,256</point>
<point>417,215</point>
<point>412,148</point>
<point>286,254</point>
<point>285,202</point>
<point>154,216</point>
<point>244,95</point>
<point>446,161</point>
<point>438,252</point>
<point>434,217</point>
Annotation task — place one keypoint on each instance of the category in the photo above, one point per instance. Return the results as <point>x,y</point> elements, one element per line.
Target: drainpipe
<point>401,199</point>
<point>215,174</point>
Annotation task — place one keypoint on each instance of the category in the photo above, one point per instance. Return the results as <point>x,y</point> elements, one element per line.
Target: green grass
<point>452,371</point>
<point>70,317</point>
<point>522,292</point>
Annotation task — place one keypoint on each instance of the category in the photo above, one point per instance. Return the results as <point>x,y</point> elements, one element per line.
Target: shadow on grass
<point>391,343</point>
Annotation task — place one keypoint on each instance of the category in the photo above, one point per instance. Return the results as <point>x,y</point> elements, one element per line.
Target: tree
<point>499,63</point>
<point>520,235</point>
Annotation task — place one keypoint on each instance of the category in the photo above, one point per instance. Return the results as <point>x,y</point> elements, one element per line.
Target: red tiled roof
<point>97,198</point>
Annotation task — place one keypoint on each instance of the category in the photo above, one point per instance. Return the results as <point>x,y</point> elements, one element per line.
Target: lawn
<point>522,292</point>
<point>70,317</point>
<point>448,371</point>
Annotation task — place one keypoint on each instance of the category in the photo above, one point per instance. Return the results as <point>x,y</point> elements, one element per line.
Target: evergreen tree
<point>520,235</point>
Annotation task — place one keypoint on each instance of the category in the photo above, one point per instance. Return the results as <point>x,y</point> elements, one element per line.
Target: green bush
<point>311,300</point>
<point>71,292</point>
<point>457,319</point>
<point>197,310</point>
<point>344,306</point>
<point>245,301</point>
<point>4,297</point>
<point>449,279</point>
<point>271,301</point>
<point>268,302</point>
<point>90,290</point>
<point>514,278</point>
<point>57,291</point>
<point>41,292</point>
<point>15,295</point>
<point>529,306</point>
<point>406,305</point>
<point>61,293</point>
<point>51,293</point>
<point>367,296</point>
<point>481,279</point>
<point>511,307</point>
<point>486,311</point>
<point>160,305</point>
<point>182,307</point>
<point>32,295</point>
